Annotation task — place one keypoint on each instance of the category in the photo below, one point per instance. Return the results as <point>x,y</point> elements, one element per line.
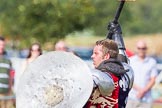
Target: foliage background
<point>49,20</point>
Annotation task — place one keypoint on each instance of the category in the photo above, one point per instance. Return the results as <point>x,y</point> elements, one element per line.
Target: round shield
<point>55,80</point>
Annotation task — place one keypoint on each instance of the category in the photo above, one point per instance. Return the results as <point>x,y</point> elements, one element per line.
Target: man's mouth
<point>93,63</point>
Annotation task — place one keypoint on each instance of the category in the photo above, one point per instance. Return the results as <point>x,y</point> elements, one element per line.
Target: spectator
<point>145,73</point>
<point>5,77</point>
<point>60,46</point>
<point>34,51</point>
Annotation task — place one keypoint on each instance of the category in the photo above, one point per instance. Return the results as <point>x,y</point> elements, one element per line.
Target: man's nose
<point>92,56</point>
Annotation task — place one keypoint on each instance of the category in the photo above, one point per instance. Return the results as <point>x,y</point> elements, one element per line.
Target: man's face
<point>60,46</point>
<point>97,55</point>
<point>2,46</point>
<point>141,49</point>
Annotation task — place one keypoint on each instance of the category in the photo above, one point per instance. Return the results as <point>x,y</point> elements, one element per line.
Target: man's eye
<point>95,53</point>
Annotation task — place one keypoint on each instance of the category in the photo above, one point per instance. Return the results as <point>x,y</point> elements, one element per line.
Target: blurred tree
<point>105,12</point>
<point>48,20</point>
<point>140,16</point>
<point>146,17</point>
<point>44,20</point>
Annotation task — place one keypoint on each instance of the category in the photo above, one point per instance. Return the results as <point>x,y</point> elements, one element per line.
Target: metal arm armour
<point>130,74</point>
<point>104,82</point>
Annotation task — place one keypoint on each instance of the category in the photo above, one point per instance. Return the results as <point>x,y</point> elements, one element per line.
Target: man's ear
<point>107,56</point>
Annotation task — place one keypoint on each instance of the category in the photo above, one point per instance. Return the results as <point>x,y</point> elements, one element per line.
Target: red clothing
<point>123,81</point>
<point>100,101</point>
<point>129,53</point>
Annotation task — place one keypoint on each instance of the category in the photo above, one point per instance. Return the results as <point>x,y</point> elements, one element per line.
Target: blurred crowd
<point>11,70</point>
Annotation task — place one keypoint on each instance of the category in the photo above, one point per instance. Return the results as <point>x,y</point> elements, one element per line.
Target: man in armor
<point>112,78</point>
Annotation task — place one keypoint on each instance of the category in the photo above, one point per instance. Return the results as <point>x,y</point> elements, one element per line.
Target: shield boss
<point>55,80</point>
